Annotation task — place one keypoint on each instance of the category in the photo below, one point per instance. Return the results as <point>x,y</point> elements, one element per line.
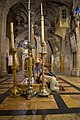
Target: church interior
<point>35,36</point>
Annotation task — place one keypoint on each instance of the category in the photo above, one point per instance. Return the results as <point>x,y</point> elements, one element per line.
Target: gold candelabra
<point>15,91</point>
<point>43,92</point>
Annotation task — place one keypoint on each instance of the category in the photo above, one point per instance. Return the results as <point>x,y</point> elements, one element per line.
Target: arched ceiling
<point>20,12</point>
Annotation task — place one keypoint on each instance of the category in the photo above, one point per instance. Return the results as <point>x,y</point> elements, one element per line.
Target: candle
<point>41,9</point>
<point>29,23</point>
<point>29,5</point>
<point>42,25</point>
<point>12,35</point>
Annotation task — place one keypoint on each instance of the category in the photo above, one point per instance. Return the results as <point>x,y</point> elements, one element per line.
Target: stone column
<point>62,56</point>
<point>76,70</point>
<point>3,14</point>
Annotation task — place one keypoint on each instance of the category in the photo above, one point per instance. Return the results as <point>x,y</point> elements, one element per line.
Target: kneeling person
<point>52,83</point>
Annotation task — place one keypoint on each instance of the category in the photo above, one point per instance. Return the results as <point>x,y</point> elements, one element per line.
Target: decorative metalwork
<point>30,93</point>
<point>15,91</point>
<point>43,92</point>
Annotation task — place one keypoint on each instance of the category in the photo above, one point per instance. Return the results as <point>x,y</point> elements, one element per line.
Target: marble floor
<point>62,105</point>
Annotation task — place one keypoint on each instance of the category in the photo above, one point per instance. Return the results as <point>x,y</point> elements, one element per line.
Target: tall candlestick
<point>43,91</point>
<point>12,35</point>
<point>42,24</point>
<point>29,93</point>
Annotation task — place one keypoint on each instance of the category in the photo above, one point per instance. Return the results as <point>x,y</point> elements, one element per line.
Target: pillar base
<point>3,73</point>
<point>76,72</point>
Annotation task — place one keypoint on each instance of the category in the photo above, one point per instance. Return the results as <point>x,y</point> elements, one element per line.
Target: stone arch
<point>10,3</point>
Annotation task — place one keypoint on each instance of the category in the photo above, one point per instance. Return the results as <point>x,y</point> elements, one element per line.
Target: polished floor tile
<point>69,101</point>
<point>22,103</point>
<point>62,105</point>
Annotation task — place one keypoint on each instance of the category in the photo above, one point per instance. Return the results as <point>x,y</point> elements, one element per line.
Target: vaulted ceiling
<point>20,13</point>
